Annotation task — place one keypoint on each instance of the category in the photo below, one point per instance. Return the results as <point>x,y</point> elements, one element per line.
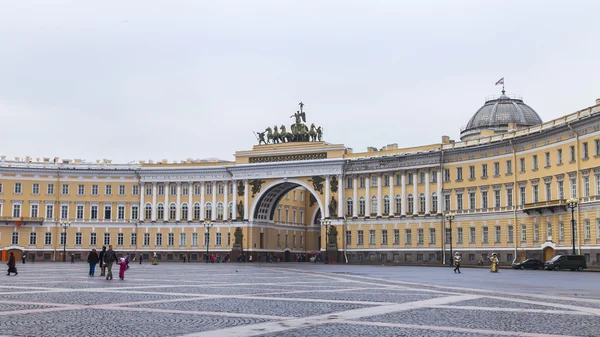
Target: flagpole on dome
<point>501,81</point>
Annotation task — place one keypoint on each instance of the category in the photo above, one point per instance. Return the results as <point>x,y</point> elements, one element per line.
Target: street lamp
<point>326,223</point>
<point>450,216</point>
<point>64,226</point>
<point>207,226</point>
<point>572,204</point>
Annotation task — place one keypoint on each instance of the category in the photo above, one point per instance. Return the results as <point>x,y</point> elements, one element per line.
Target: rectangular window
<point>447,202</point>
<point>572,153</point>
<point>106,239</point>
<point>434,176</point>
<point>523,232</point>
<point>521,165</point>
<point>496,169</point>
<point>94,189</point>
<point>348,237</point>
<point>410,178</point>
<point>471,172</point>
<point>396,236</point>
<point>497,198</point>
<point>472,200</point>
<point>484,199</point>
<point>108,190</point>
<point>147,239</point>
<point>421,177</point>
<point>148,189</point>
<point>561,231</point>
<point>182,239</point>
<point>170,239</point>
<point>349,183</point>
<point>32,238</point>
<point>121,189</point>
<point>587,230</point>
<point>510,233</point>
<point>459,235</point>
<point>447,236</point>
<point>585,150</point>
<point>459,174</point>
<point>135,190</point>
<point>360,240</point>
<point>472,235</point>
<point>121,212</point>
<point>35,189</point>
<point>561,190</point>
<point>133,239</point>
<point>549,231</point>
<point>18,188</point>
<point>484,234</point>
<point>135,212</point>
<point>49,211</point>
<point>509,167</point>
<point>64,211</point>
<point>80,189</point>
<point>107,212</point>
<point>408,237</point>
<point>547,159</point>
<point>94,212</point>
<point>120,239</point>
<point>218,239</point>
<point>536,193</point>
<point>50,189</point>
<point>79,212</point>
<point>484,172</point>
<point>373,181</point>
<point>16,210</point>
<point>361,182</point>
<point>92,239</point>
<point>0,188</point>
<point>535,162</point>
<point>34,211</point>
<point>586,186</point>
<point>536,232</point>
<point>384,237</point>
<point>559,157</point>
<point>523,195</point>
<point>459,201</point>
<point>48,238</point>
<point>446,175</point>
<point>432,235</point>
<point>548,191</point>
<point>420,236</point>
<point>372,237</point>
<point>573,188</point>
<point>65,189</point>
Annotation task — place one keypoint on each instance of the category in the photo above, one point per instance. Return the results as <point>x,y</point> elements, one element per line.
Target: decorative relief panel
<point>292,157</point>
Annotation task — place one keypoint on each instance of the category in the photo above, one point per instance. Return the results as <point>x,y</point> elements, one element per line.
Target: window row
<point>81,189</point>
<point>196,211</point>
<point>372,181</point>
<point>392,206</point>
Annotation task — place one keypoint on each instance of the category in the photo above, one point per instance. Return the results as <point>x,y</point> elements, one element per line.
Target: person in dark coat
<point>92,260</point>
<point>101,258</point>
<point>141,258</point>
<point>12,265</point>
<point>72,258</point>
<point>24,257</point>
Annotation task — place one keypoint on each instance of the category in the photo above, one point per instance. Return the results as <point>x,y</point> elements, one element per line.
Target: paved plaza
<point>197,299</point>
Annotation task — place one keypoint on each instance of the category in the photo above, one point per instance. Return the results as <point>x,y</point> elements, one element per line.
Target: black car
<point>572,262</point>
<point>534,264</point>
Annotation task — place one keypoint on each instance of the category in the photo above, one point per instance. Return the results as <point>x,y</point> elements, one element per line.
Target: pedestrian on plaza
<point>154,259</point>
<point>184,257</point>
<point>72,258</point>
<point>92,259</point>
<point>141,258</point>
<point>494,260</point>
<point>122,268</point>
<point>33,258</point>
<point>24,257</point>
<point>480,262</point>
<point>110,257</point>
<point>457,259</point>
<point>127,260</point>
<point>12,265</point>
<point>101,259</point>
<point>212,258</point>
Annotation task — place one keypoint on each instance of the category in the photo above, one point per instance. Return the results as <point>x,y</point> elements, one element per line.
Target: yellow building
<point>507,181</point>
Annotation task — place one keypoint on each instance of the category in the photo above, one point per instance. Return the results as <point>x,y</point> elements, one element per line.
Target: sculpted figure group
<point>299,131</point>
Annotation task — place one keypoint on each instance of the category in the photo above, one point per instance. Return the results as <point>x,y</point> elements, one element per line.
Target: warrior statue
<point>261,137</point>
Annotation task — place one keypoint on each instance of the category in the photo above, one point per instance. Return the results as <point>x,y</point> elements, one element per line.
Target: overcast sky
<point>139,80</point>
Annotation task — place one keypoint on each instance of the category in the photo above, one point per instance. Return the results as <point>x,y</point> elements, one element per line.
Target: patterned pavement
<point>196,299</point>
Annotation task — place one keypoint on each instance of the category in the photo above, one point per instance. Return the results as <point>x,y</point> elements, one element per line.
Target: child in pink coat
<point>122,268</point>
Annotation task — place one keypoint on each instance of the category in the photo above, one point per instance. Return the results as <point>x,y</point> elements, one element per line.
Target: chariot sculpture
<point>299,131</point>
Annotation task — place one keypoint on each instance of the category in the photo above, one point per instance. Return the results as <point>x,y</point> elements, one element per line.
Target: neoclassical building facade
<point>507,181</point>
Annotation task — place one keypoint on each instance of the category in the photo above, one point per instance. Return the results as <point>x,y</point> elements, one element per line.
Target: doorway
<point>548,253</point>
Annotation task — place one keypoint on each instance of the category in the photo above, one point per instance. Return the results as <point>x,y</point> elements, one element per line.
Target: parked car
<point>572,262</point>
<point>534,264</point>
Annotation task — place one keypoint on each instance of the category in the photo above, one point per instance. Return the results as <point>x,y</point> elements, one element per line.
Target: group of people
<point>107,258</point>
<point>493,259</point>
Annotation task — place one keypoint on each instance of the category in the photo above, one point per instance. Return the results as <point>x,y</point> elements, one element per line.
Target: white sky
<point>139,79</point>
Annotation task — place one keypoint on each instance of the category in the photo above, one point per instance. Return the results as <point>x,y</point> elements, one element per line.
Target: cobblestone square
<point>198,299</point>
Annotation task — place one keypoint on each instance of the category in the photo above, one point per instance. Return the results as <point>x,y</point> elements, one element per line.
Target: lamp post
<point>572,204</point>
<point>207,226</point>
<point>450,216</point>
<point>64,226</point>
<point>326,223</point>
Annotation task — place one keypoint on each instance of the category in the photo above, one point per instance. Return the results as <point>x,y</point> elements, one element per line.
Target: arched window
<point>148,209</point>
<point>184,212</point>
<point>411,204</point>
<point>160,212</point>
<point>196,211</point>
<point>373,204</point>
<point>386,205</point>
<point>172,211</point>
<point>361,206</point>
<point>434,203</point>
<point>208,211</point>
<point>349,206</point>
<point>220,210</point>
<point>398,204</point>
<point>422,203</point>
<point>230,211</point>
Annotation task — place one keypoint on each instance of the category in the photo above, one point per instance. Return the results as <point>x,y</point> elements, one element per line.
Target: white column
<point>379,196</point>
<point>142,209</point>
<point>166,212</point>
<point>213,213</point>
<point>178,202</point>
<point>340,207</point>
<point>367,196</point>
<point>226,201</point>
<point>427,195</point>
<point>440,197</point>
<point>190,194</point>
<point>246,200</point>
<point>403,193</point>
<point>202,201</point>
<point>154,191</point>
<point>355,197</point>
<point>415,193</point>
<point>392,196</point>
<point>326,211</point>
<point>234,200</point>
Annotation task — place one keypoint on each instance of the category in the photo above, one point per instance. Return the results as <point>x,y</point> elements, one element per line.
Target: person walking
<point>110,257</point>
<point>141,258</point>
<point>122,268</point>
<point>494,260</point>
<point>184,257</point>
<point>72,258</point>
<point>33,258</point>
<point>101,260</point>
<point>127,260</point>
<point>24,257</point>
<point>457,259</point>
<point>12,265</point>
<point>92,260</point>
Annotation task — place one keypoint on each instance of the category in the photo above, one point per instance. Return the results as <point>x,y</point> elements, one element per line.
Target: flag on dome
<point>500,81</point>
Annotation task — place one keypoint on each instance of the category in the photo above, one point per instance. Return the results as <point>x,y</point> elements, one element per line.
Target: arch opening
<point>267,200</point>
